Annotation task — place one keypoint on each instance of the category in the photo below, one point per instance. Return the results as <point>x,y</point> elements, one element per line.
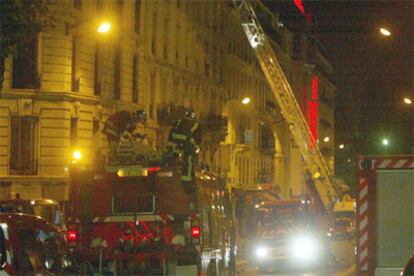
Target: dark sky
<point>372,72</point>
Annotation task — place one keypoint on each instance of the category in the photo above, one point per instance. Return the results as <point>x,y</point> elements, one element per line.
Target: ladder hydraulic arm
<point>314,161</point>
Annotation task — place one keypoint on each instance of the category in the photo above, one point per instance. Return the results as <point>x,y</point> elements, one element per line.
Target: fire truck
<point>136,218</point>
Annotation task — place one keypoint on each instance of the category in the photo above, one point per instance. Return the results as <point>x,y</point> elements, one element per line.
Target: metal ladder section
<point>314,161</point>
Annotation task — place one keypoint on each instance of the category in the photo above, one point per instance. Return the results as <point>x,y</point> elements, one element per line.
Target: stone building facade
<point>160,56</point>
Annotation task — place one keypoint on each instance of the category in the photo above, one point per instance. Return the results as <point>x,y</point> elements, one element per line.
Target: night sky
<point>372,72</point>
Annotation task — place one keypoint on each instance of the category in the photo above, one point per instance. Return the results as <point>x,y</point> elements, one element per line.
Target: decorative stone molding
<point>98,112</point>
<point>25,107</point>
<point>76,108</point>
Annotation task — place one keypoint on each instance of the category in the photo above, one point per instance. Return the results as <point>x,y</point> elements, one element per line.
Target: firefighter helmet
<point>189,114</point>
<point>140,116</point>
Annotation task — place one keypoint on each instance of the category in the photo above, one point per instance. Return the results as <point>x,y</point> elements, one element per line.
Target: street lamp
<point>407,100</point>
<point>103,27</point>
<point>245,100</point>
<point>341,146</point>
<point>76,156</point>
<point>385,32</point>
<point>385,143</point>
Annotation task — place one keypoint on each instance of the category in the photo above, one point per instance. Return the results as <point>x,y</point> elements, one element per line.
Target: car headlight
<point>261,252</point>
<point>304,248</point>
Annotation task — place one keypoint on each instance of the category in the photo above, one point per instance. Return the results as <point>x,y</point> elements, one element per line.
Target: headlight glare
<point>304,248</point>
<point>261,252</point>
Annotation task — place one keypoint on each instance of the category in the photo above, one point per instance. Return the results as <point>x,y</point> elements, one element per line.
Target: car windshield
<point>282,216</point>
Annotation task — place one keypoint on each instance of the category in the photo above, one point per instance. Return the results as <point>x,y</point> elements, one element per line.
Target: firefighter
<point>184,139</point>
<point>120,122</point>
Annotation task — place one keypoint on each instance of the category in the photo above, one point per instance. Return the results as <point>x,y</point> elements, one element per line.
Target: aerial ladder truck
<point>321,184</point>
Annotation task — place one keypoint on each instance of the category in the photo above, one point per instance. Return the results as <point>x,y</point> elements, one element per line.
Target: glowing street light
<point>385,143</point>
<point>341,146</point>
<point>385,32</point>
<point>104,27</point>
<point>407,101</point>
<point>245,100</point>
<point>326,139</point>
<point>76,156</point>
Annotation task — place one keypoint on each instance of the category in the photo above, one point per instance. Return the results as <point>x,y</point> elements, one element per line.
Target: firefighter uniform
<point>185,138</point>
<point>118,123</point>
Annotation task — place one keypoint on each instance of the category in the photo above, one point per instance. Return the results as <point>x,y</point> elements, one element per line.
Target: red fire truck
<point>139,220</point>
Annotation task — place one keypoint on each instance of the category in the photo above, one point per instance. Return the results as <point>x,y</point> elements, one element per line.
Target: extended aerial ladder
<point>313,159</point>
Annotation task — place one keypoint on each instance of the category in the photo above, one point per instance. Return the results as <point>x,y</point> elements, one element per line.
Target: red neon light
<point>72,235</point>
<point>300,6</point>
<point>195,232</point>
<point>153,169</point>
<point>313,112</point>
<point>315,88</point>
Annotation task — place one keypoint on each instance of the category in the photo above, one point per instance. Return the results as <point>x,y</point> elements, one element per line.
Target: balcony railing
<point>216,124</point>
<point>23,167</point>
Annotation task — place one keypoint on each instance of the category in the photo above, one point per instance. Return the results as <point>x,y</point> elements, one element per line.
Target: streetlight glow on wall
<point>385,32</point>
<point>407,101</point>
<point>341,146</point>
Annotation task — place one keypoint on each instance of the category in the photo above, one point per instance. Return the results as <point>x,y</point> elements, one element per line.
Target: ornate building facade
<point>160,56</point>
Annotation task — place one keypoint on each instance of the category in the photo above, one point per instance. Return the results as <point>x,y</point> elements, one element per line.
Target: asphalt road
<point>345,266</point>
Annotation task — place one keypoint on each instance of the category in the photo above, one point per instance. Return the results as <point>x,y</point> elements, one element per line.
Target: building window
<point>137,15</point>
<point>166,25</point>
<point>177,44</point>
<point>75,78</point>
<point>154,37</point>
<point>23,145</point>
<point>152,92</point>
<point>97,67</point>
<point>73,132</point>
<point>25,66</point>
<point>135,95</point>
<point>117,74</point>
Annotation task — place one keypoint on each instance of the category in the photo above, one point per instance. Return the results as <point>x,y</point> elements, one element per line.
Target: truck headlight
<point>304,248</point>
<point>261,252</point>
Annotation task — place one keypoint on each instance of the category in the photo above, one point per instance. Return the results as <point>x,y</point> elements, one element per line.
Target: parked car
<point>46,208</point>
<point>32,245</point>
<point>409,267</point>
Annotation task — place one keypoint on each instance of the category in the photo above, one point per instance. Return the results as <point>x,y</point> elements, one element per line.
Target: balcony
<point>23,167</point>
<point>214,124</point>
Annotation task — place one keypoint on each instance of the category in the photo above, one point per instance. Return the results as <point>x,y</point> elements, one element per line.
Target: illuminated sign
<point>313,112</point>
<point>301,7</point>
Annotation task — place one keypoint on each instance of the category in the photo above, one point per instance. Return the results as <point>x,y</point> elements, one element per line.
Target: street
<point>342,249</point>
